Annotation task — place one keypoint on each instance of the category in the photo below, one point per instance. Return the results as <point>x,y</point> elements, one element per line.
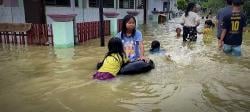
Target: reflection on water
<point>65,54</point>
<point>197,78</point>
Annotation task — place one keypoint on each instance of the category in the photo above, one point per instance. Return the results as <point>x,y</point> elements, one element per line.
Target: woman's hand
<point>144,59</point>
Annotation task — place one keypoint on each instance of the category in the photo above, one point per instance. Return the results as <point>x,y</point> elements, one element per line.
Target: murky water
<point>197,78</point>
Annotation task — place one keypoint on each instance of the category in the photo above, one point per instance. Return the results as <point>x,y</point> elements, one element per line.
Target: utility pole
<point>145,11</point>
<point>101,23</point>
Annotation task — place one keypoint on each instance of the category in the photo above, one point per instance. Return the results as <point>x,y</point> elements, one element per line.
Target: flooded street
<point>197,78</point>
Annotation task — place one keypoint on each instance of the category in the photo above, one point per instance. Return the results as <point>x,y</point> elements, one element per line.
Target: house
<point>36,11</point>
<point>162,5</point>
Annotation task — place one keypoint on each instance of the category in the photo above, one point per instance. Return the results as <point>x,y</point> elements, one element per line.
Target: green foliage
<point>181,4</point>
<point>214,5</point>
<point>246,9</point>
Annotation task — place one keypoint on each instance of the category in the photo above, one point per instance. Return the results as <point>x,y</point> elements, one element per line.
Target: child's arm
<point>139,41</point>
<point>141,49</point>
<point>200,32</point>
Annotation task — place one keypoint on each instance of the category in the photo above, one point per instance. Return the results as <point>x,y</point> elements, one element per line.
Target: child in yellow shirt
<point>113,60</point>
<point>208,31</point>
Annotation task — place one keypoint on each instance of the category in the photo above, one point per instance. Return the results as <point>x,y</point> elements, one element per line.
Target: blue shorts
<point>235,50</point>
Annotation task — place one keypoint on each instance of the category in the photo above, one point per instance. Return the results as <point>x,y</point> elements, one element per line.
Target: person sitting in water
<point>156,47</point>
<point>113,60</point>
<point>178,32</point>
<point>134,48</point>
<point>208,31</point>
<point>131,38</point>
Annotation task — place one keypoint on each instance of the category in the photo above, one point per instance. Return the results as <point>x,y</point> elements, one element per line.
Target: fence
<point>119,22</point>
<point>39,34</point>
<point>12,37</point>
<point>42,34</point>
<point>90,30</point>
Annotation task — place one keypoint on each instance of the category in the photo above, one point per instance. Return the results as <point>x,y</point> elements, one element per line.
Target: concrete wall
<point>173,5</point>
<point>84,13</point>
<point>12,14</point>
<point>158,4</point>
<point>88,14</point>
<point>63,10</point>
<point>92,14</point>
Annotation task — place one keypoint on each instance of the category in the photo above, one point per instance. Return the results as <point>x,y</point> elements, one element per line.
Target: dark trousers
<point>189,33</point>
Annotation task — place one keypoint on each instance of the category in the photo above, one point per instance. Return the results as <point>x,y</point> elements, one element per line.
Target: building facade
<point>36,11</point>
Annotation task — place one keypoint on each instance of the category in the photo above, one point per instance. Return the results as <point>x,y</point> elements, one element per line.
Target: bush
<point>246,9</point>
<point>181,4</point>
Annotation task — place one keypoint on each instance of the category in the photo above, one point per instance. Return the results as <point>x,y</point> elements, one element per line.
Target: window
<point>166,6</point>
<point>60,2</point>
<point>106,3</point>
<point>93,3</point>
<point>139,4</point>
<point>126,4</point>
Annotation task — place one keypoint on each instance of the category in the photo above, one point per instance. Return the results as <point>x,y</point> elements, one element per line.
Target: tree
<point>181,4</point>
<point>214,5</point>
<point>246,9</point>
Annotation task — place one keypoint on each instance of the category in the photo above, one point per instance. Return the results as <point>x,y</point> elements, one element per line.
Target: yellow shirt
<point>207,35</point>
<point>112,64</point>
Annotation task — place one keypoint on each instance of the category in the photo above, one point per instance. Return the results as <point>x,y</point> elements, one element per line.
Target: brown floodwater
<point>197,78</point>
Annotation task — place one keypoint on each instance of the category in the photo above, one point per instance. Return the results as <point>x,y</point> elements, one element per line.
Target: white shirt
<point>191,20</point>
